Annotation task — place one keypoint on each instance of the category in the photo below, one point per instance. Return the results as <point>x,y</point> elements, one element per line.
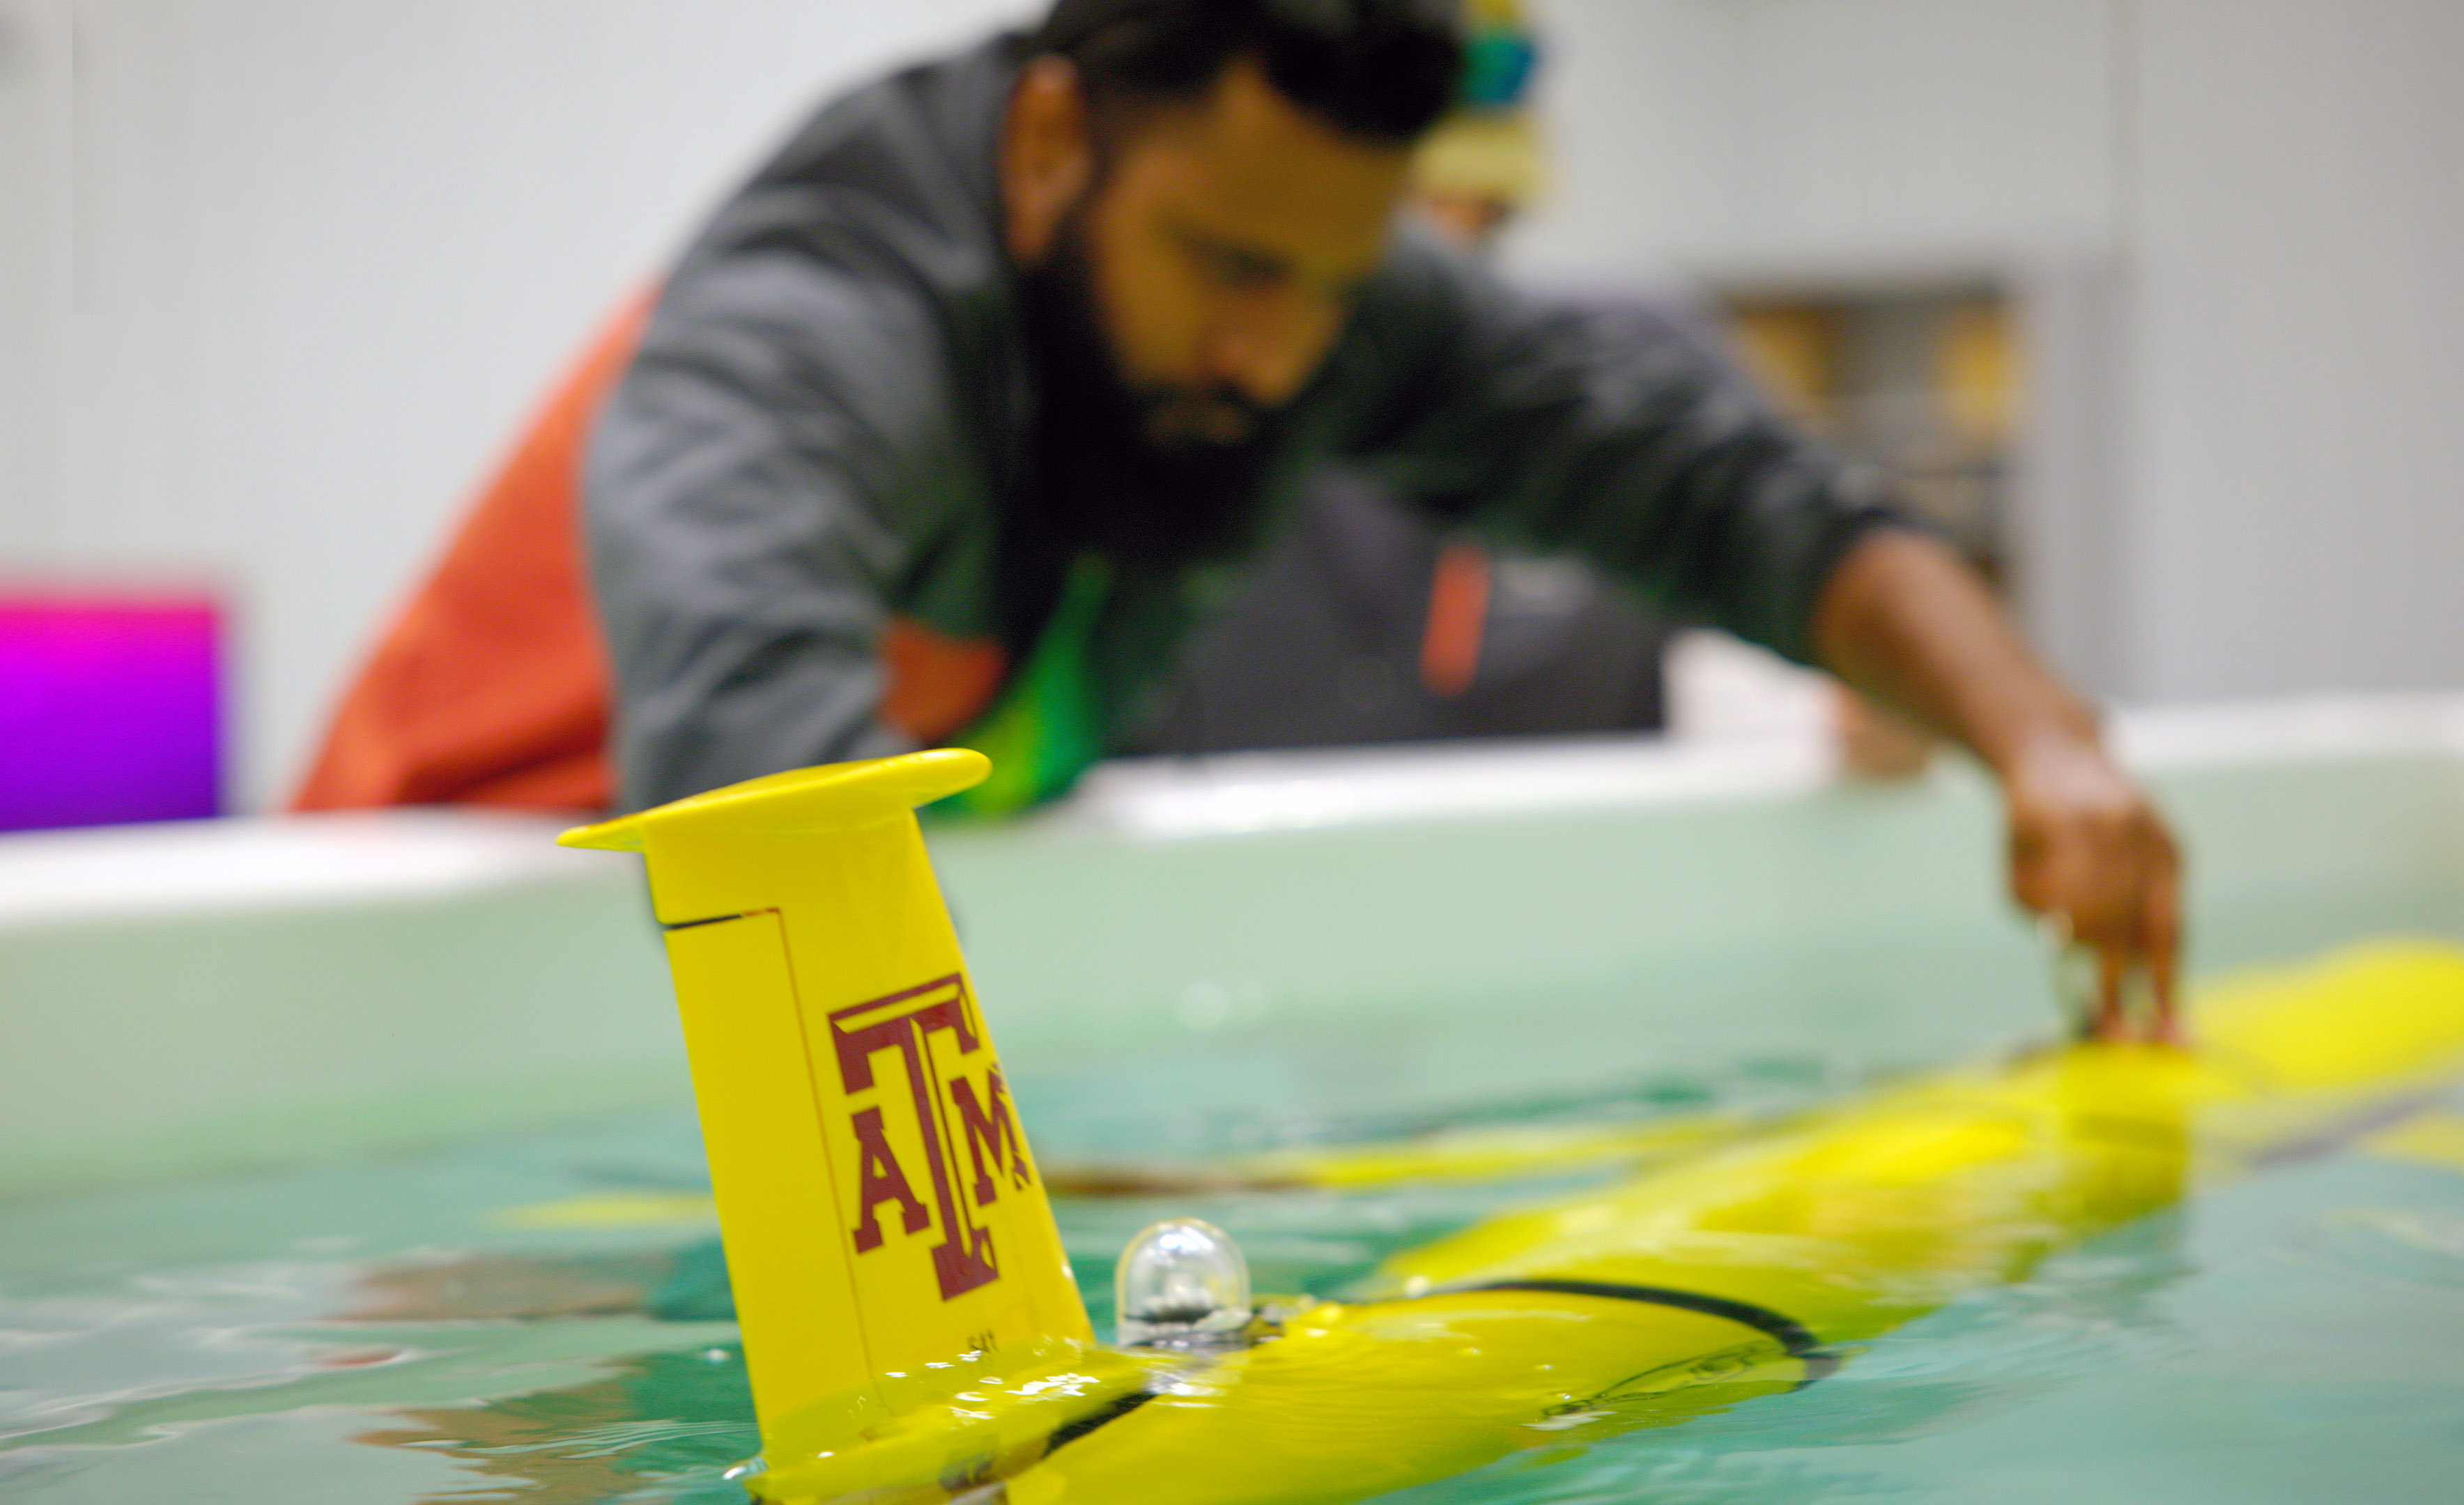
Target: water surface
<point>396,1331</point>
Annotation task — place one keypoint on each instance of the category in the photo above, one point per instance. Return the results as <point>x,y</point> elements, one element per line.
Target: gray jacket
<point>833,402</point>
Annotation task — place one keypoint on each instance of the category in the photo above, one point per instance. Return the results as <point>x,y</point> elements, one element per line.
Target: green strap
<point>1045,728</point>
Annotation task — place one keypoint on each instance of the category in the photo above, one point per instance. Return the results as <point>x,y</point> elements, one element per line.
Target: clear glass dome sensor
<point>1181,1282</point>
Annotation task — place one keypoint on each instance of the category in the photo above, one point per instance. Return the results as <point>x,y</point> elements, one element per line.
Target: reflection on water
<point>380,1334</point>
<point>2421,1245</point>
<point>663,1427</point>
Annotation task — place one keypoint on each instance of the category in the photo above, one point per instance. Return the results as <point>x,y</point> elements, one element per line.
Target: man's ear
<point>1048,155</point>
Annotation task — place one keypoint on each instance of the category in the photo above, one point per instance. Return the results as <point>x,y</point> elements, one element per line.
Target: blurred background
<point>353,1157</point>
<point>2153,302</point>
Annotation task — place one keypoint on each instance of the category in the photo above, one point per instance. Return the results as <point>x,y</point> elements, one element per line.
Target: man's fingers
<point>2051,874</point>
<point>2162,940</point>
<point>2112,971</point>
<point>2109,882</point>
<point>2085,886</point>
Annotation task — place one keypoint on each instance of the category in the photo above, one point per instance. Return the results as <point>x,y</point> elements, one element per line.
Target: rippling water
<point>390,1332</point>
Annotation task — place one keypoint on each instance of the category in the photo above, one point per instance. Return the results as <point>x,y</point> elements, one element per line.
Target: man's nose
<point>1267,349</point>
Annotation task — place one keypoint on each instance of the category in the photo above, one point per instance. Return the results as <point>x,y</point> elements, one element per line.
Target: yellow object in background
<point>2431,1139</point>
<point>613,1209</point>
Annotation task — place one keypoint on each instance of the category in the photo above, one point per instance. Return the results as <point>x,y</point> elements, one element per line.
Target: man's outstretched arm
<point>1903,619</point>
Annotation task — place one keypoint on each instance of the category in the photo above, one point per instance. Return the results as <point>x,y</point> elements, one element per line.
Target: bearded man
<point>957,416</point>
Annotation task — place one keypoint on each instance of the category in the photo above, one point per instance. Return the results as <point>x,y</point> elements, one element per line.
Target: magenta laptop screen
<point>110,708</point>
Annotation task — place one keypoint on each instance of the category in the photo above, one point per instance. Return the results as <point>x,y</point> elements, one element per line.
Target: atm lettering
<point>879,1179</point>
<point>990,1129</point>
<point>896,1051</point>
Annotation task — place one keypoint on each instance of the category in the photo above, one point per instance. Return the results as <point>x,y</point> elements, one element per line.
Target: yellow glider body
<point>1732,1273</point>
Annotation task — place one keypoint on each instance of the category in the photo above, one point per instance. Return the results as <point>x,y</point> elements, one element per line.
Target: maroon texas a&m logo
<point>937,1043</point>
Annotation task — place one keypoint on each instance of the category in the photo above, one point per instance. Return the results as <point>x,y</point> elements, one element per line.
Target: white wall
<point>1638,102</point>
<point>2243,222</point>
<point>2297,243</point>
<point>295,268</point>
<point>34,242</point>
<point>1721,132</point>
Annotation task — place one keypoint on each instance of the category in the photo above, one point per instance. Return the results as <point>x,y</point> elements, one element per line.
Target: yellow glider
<point>912,1331</point>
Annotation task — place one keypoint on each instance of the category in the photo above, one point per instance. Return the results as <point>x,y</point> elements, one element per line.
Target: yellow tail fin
<point>879,1208</point>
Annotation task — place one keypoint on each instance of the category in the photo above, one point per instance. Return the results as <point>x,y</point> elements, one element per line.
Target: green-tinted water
<point>378,1333</point>
<point>372,1331</point>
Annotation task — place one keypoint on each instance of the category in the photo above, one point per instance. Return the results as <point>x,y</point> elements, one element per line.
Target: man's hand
<point>2092,857</point>
<point>1904,619</point>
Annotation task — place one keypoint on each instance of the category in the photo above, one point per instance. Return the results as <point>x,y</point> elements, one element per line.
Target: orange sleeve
<point>491,686</point>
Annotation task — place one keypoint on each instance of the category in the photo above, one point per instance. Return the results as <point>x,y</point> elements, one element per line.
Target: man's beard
<point>1108,482</point>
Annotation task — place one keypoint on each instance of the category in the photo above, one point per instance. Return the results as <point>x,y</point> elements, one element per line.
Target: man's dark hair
<point>1383,70</point>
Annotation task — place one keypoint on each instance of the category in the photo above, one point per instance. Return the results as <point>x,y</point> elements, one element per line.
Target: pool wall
<point>182,999</point>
